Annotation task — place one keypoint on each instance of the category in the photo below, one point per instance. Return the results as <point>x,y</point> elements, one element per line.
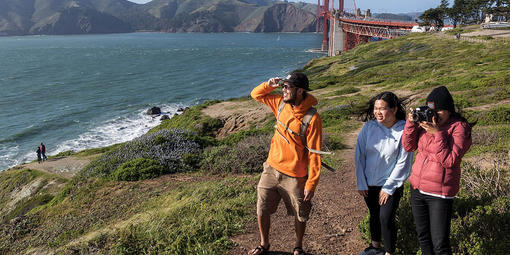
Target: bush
<point>499,115</point>
<point>483,230</point>
<point>246,156</point>
<point>485,183</point>
<point>192,119</point>
<point>139,169</point>
<point>169,147</point>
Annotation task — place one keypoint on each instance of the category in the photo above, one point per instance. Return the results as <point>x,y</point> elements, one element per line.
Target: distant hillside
<point>286,18</point>
<point>391,16</point>
<point>119,16</point>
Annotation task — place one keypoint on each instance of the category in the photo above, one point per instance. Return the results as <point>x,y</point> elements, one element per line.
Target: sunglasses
<point>286,86</point>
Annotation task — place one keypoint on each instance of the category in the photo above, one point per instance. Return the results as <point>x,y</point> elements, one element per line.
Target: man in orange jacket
<point>291,171</point>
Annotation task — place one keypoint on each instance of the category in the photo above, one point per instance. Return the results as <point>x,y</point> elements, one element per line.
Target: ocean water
<point>86,91</point>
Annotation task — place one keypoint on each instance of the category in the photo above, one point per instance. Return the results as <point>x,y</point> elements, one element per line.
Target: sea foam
<point>117,130</point>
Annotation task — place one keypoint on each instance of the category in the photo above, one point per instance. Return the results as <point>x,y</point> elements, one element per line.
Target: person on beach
<point>435,175</point>
<point>382,166</point>
<point>43,151</point>
<point>286,175</point>
<point>38,151</point>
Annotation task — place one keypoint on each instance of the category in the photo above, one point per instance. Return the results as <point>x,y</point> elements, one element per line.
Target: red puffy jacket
<point>436,169</point>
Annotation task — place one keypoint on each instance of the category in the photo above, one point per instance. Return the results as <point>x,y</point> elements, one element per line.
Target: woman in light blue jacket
<point>382,166</point>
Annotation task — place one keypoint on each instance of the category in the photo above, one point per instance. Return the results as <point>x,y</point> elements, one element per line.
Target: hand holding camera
<point>423,113</point>
<point>426,117</point>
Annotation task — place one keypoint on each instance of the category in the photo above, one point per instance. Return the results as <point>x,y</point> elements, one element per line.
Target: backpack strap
<point>302,129</point>
<point>280,109</point>
<point>304,126</point>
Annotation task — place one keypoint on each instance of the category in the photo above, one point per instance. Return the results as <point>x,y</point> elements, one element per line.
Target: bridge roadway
<point>346,32</point>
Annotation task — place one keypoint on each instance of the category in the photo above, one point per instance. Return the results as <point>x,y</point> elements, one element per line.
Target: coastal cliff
<point>194,199</point>
<point>121,16</point>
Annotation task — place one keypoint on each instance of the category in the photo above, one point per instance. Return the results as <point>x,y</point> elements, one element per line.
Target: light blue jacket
<point>380,157</point>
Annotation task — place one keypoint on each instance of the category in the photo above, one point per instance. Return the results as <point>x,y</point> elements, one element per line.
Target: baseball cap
<point>298,79</point>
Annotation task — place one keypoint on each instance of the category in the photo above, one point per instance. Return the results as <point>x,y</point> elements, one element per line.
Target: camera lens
<point>416,117</point>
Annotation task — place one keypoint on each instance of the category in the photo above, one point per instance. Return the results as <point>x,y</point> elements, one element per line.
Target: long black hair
<point>391,99</point>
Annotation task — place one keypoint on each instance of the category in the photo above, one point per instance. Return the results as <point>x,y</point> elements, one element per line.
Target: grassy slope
<point>194,213</point>
<point>476,74</point>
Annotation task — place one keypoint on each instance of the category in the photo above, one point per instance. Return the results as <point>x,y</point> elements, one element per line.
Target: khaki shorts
<point>274,186</point>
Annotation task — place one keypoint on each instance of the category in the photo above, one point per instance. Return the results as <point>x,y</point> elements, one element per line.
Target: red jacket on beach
<point>436,169</point>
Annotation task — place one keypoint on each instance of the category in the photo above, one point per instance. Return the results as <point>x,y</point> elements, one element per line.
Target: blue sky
<point>392,6</point>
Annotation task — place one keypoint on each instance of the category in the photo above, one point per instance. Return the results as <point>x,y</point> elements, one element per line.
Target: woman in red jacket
<point>435,174</point>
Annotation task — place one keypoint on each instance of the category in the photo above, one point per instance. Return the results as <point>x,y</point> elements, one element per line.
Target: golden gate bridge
<point>343,30</point>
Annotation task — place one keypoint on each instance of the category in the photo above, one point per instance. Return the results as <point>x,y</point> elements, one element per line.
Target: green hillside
<point>195,198</point>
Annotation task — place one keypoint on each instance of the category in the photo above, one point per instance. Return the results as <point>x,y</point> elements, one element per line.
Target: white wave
<point>8,156</point>
<point>118,130</point>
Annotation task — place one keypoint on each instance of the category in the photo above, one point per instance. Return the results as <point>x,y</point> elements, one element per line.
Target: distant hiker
<point>435,175</point>
<point>38,151</point>
<point>43,151</point>
<point>286,175</point>
<point>382,166</point>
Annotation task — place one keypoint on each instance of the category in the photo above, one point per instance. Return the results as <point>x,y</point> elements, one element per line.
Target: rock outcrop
<point>154,110</point>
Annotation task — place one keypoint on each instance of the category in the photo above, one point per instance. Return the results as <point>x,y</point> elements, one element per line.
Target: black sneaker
<point>380,251</point>
<point>371,250</point>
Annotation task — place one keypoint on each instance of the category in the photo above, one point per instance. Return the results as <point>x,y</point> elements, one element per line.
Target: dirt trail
<point>332,228</point>
<point>66,167</point>
<point>337,210</point>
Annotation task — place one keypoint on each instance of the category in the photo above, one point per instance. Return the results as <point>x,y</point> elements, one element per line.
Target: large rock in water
<point>154,110</point>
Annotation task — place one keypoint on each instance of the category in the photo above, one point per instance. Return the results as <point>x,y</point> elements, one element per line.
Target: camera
<point>423,113</point>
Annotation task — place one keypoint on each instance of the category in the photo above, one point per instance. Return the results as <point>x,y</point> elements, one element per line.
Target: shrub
<point>168,147</point>
<point>485,183</point>
<point>499,115</point>
<point>483,230</point>
<point>192,119</point>
<point>139,169</point>
<point>246,156</point>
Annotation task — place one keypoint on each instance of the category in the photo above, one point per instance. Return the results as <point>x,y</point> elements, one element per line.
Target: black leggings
<point>382,217</point>
<point>432,217</point>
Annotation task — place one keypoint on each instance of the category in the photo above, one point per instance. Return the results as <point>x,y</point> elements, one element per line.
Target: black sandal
<point>299,250</point>
<point>260,248</point>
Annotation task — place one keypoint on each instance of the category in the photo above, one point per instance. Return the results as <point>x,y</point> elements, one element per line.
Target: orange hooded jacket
<point>292,158</point>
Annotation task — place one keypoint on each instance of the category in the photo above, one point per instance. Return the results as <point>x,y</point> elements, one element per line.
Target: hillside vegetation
<point>121,16</point>
<point>126,202</point>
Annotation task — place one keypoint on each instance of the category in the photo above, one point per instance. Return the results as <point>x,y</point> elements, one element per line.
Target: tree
<point>500,8</point>
<point>433,16</point>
